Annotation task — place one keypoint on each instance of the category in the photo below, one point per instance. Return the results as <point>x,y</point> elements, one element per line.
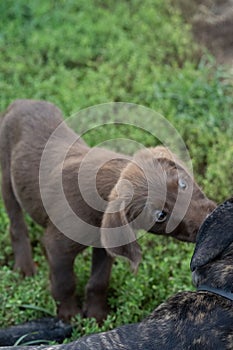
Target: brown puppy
<point>25,130</point>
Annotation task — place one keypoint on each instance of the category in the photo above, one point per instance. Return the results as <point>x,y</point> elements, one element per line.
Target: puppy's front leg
<point>61,253</point>
<point>96,289</point>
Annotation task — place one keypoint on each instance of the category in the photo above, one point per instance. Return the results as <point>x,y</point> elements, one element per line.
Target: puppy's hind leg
<point>18,229</point>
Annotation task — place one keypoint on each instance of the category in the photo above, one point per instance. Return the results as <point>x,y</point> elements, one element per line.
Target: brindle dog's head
<point>155,193</point>
<point>212,261</point>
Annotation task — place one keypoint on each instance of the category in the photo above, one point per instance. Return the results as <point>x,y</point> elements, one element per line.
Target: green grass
<point>78,54</point>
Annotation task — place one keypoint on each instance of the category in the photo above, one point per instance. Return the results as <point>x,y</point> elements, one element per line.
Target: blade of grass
<point>36,308</point>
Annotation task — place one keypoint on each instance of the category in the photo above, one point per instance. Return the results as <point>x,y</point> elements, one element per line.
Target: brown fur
<point>25,129</point>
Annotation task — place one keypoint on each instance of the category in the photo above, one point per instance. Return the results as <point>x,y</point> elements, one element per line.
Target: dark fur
<point>188,320</point>
<point>25,129</point>
<point>219,222</point>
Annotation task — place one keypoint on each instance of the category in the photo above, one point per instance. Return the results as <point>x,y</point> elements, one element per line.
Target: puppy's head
<point>217,273</point>
<point>186,205</point>
<point>154,193</point>
<point>212,261</point>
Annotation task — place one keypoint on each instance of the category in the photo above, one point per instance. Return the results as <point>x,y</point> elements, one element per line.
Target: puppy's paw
<point>97,312</point>
<point>26,268</point>
<point>67,310</point>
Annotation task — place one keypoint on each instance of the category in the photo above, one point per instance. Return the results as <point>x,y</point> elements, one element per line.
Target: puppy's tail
<point>2,115</point>
<point>1,118</point>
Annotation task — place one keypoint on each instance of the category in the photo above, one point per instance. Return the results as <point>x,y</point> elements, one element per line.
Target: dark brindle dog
<point>189,320</point>
<point>25,129</point>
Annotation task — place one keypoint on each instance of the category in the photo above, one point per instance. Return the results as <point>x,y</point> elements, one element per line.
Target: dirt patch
<point>212,25</point>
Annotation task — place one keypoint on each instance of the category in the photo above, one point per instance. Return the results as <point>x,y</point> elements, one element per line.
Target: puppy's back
<point>25,118</point>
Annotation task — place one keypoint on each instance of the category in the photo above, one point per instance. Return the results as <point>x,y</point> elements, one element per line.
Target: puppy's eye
<point>182,184</point>
<point>160,216</point>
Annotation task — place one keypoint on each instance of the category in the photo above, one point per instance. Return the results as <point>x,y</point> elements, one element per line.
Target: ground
<point>212,26</point>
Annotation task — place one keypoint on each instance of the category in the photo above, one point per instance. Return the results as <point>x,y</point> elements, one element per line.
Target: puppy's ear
<point>214,236</point>
<point>117,235</point>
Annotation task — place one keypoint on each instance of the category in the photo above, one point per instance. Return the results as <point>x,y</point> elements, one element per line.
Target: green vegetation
<point>81,53</point>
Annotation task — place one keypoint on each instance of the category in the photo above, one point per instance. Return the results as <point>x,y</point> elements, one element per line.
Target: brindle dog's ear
<point>117,235</point>
<point>215,235</point>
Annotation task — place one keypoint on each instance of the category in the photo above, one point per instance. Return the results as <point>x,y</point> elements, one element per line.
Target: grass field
<point>78,54</point>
